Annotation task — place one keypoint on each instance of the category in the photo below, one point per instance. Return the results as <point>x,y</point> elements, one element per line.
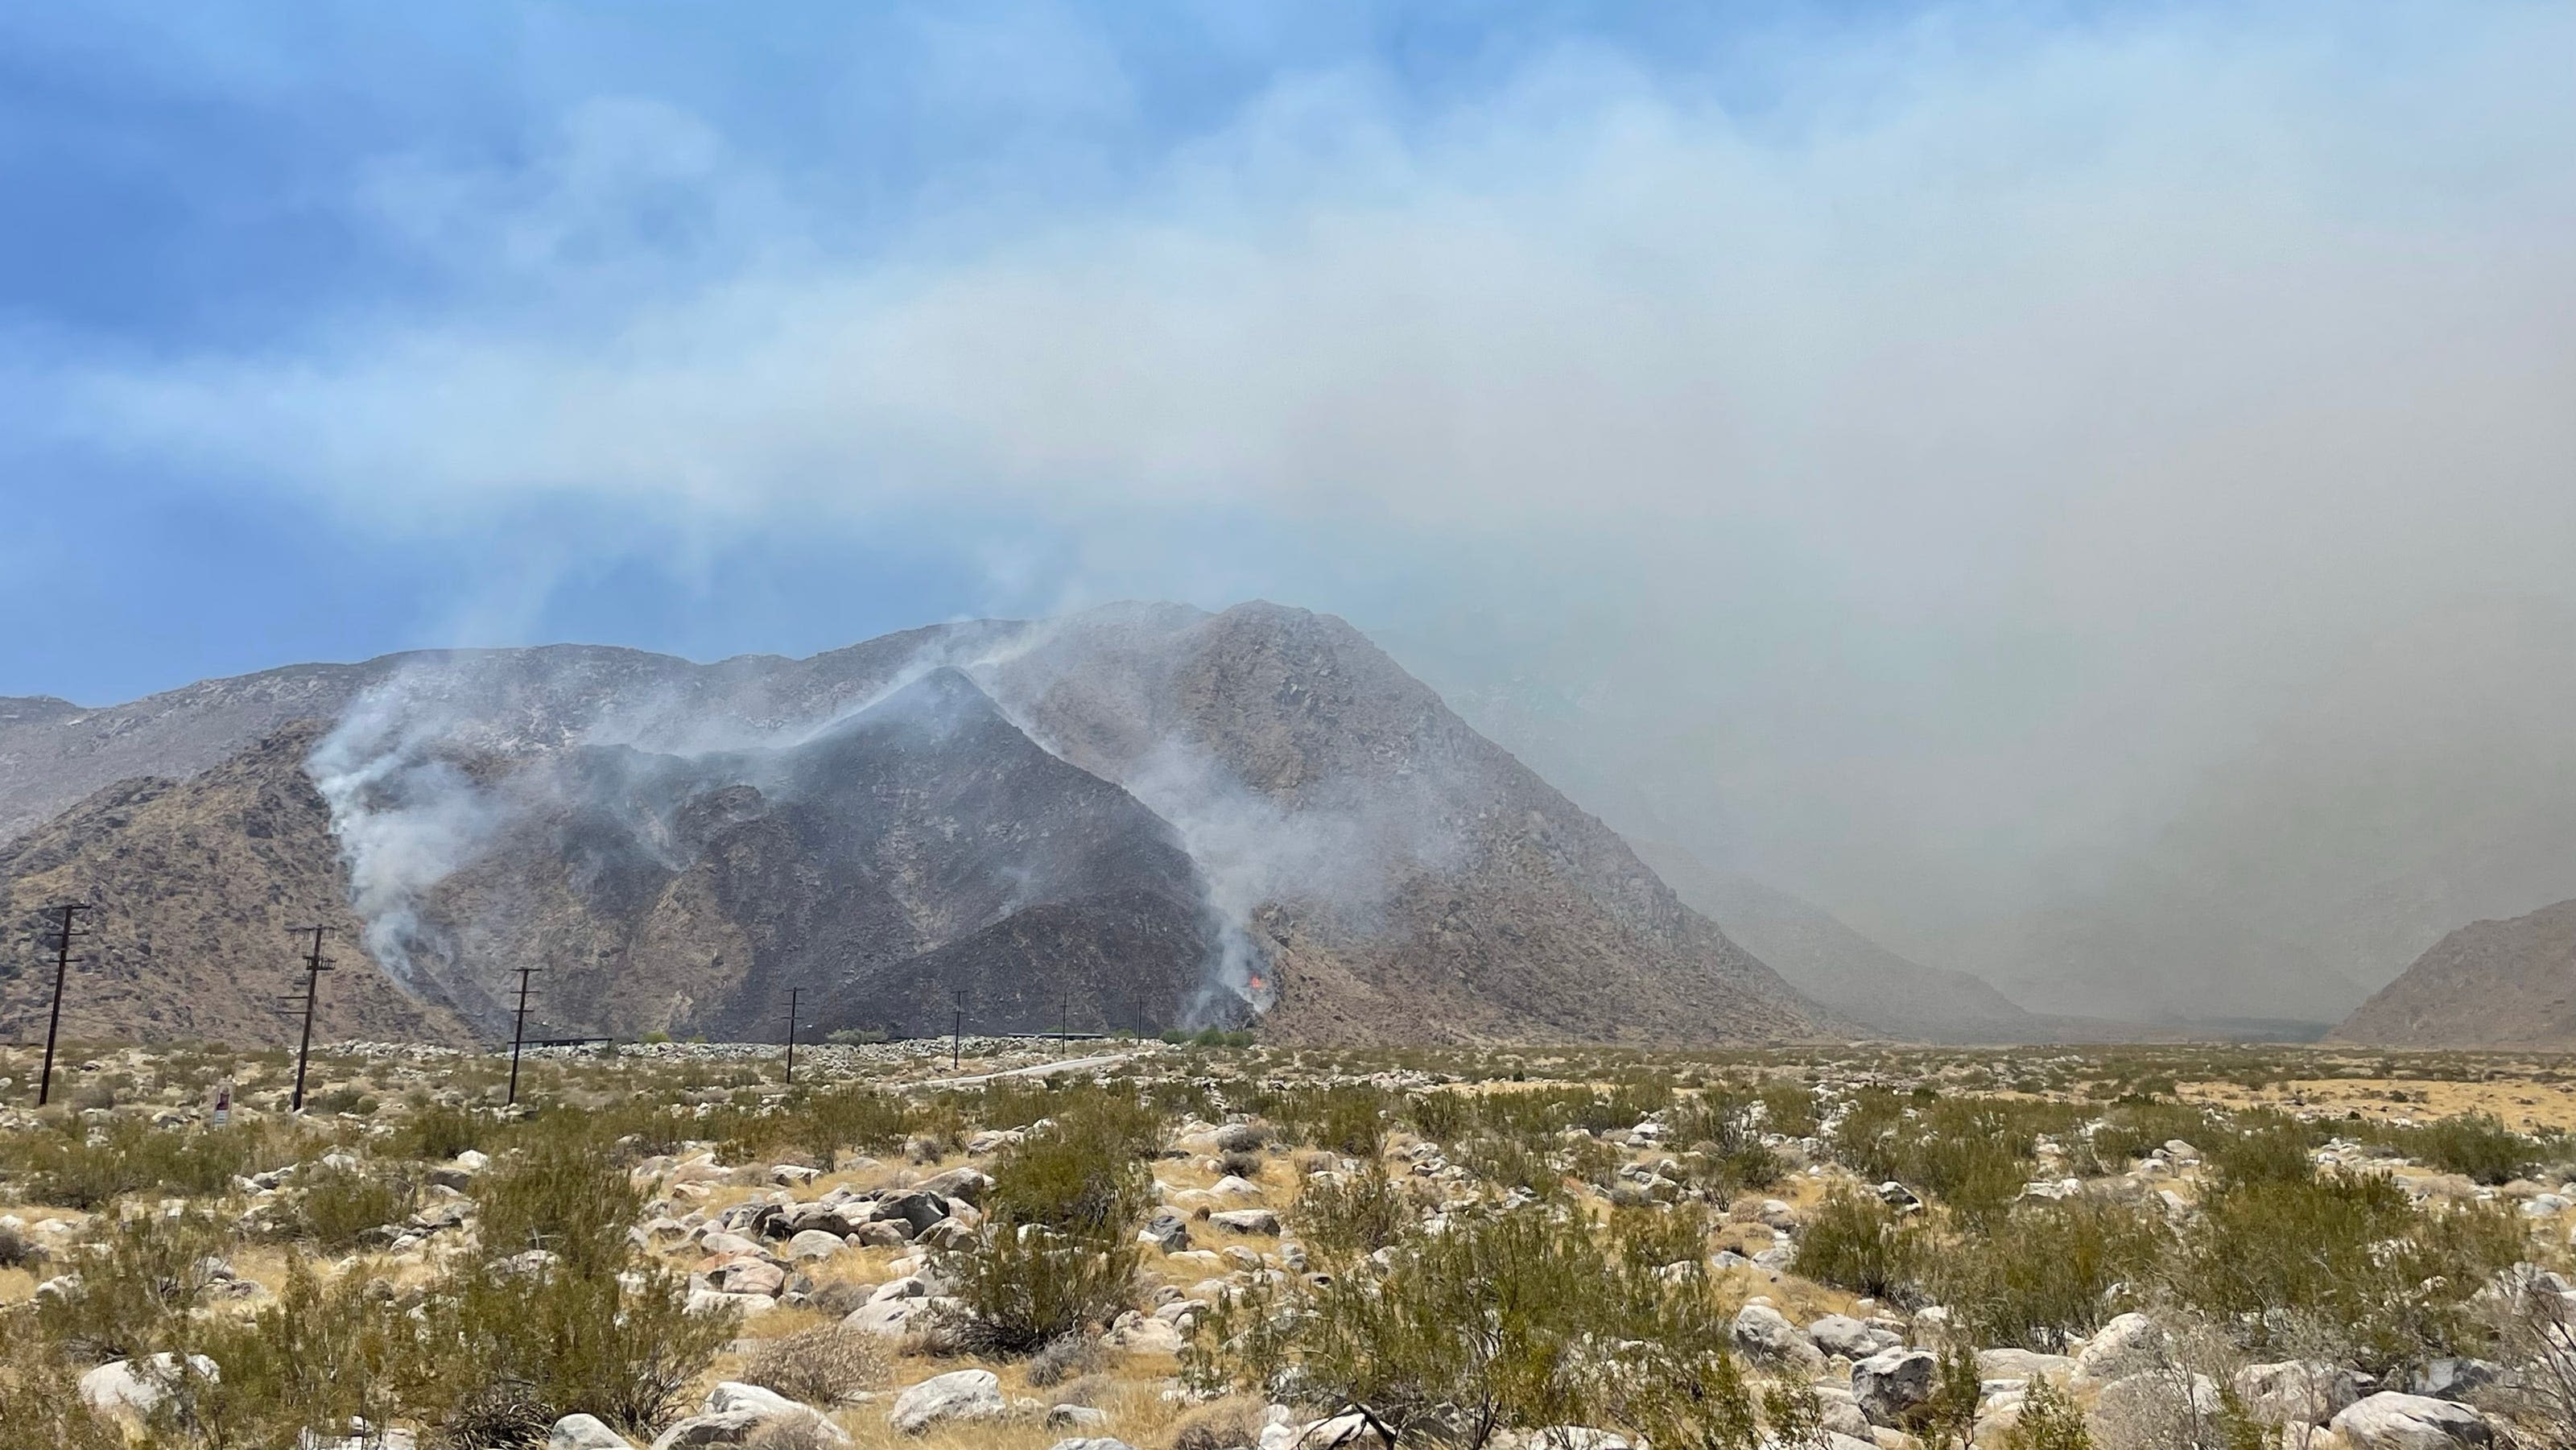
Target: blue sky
<point>1892,423</point>
<point>245,182</point>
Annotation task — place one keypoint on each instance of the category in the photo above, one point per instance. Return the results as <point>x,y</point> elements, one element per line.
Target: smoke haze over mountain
<point>2082,493</point>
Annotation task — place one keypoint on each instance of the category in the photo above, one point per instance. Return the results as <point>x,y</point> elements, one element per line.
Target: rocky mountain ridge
<point>1268,814</point>
<point>2508,983</point>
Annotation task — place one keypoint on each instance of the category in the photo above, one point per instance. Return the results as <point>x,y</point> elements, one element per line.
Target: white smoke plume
<point>405,815</point>
<point>425,770</point>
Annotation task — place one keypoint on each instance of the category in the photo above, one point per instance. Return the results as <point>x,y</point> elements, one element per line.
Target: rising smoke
<point>427,770</point>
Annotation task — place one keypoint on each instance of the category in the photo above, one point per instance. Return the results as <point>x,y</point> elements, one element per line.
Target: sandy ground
<point>2518,1101</point>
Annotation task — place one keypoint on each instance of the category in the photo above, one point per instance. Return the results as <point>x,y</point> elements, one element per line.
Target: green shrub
<point>2264,1150</point>
<point>574,1339</point>
<point>155,1269</point>
<point>2474,1144</point>
<point>436,1132</point>
<point>1647,1239</point>
<point>343,1100</point>
<point>1949,1417</point>
<point>1439,1115</point>
<point>560,1192</point>
<point>1694,1397</point>
<point>131,1156</point>
<point>2135,1129</point>
<point>338,1208</point>
<point>1348,1119</point>
<point>1718,1128</point>
<point>1509,1320</point>
<point>1343,1217</point>
<point>1211,1037</point>
<point>2344,1259</point>
<point>312,1359</point>
<point>1855,1242</point>
<point>2050,1420</point>
<point>1466,1335</point>
<point>40,1403</point>
<point>1022,1286</point>
<point>1973,1154</point>
<point>2047,1271</point>
<point>1795,1415</point>
<point>849,1118</point>
<point>1084,1175</point>
<point>1788,1107</point>
<point>1512,1162</point>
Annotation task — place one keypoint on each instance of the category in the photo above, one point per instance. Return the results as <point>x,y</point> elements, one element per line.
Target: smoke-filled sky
<point>1925,451</point>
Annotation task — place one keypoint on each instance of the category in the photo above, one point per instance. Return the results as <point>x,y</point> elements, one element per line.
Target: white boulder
<point>966,1394</point>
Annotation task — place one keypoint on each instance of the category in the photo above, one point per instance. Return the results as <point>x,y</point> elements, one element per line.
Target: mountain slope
<point>921,846</point>
<point>1839,967</point>
<point>1404,875</point>
<point>2488,984</point>
<point>1215,814</point>
<point>196,885</point>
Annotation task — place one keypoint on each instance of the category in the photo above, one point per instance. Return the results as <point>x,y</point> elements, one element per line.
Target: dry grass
<point>2513,1096</point>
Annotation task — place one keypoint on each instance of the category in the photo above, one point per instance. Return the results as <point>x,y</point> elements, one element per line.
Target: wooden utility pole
<point>62,969</point>
<point>314,967</point>
<point>957,1033</point>
<point>1063,1019</point>
<point>518,1034</point>
<point>791,1037</point>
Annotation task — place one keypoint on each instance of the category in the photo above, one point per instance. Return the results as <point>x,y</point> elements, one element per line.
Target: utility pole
<point>791,1037</point>
<point>957,1033</point>
<point>518,1034</point>
<point>1063,1019</point>
<point>62,969</point>
<point>314,967</point>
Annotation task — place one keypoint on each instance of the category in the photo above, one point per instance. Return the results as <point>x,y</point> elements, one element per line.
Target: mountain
<point>1840,968</point>
<point>919,846</point>
<point>198,886</point>
<point>2489,984</point>
<point>1140,815</point>
<point>1396,867</point>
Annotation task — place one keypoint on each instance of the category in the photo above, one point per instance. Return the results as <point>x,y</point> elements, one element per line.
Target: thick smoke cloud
<point>1912,459</point>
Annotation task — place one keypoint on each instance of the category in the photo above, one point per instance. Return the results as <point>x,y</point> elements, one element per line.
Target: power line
<point>791,1036</point>
<point>62,969</point>
<point>315,964</point>
<point>518,1033</point>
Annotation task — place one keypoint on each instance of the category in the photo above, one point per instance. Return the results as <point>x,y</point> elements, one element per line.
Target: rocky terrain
<point>2488,984</point>
<point>921,847</point>
<point>1403,873</point>
<point>1794,1249</point>
<point>198,887</point>
<point>1141,816</point>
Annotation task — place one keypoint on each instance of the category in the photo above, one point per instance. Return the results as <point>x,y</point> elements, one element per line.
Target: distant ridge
<point>1842,969</point>
<point>2508,983</point>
